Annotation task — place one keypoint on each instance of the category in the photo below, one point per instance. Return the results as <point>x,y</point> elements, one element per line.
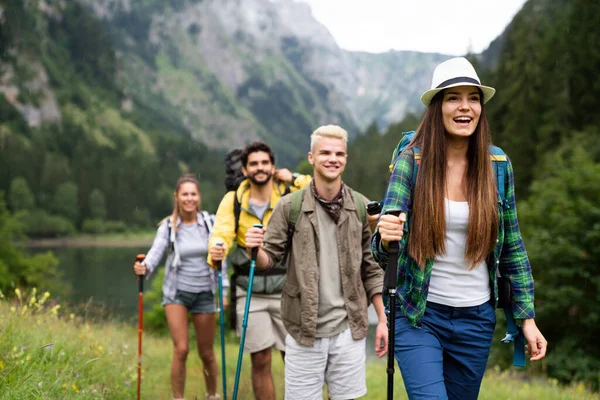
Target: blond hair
<point>330,131</point>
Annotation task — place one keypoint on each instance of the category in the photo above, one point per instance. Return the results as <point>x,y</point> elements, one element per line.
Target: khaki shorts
<point>265,327</point>
<point>338,361</point>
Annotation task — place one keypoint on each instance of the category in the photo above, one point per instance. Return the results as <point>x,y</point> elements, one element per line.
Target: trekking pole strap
<point>514,335</point>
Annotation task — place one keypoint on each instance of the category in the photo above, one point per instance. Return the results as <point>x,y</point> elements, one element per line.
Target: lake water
<point>100,280</point>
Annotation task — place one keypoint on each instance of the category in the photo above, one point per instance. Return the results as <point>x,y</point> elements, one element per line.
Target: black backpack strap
<point>237,210</point>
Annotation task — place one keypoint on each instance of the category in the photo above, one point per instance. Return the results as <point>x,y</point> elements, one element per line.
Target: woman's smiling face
<point>461,109</point>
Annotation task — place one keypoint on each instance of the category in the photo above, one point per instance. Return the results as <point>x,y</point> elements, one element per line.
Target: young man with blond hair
<point>331,278</point>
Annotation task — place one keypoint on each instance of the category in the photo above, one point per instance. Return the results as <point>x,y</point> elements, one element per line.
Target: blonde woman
<point>189,285</point>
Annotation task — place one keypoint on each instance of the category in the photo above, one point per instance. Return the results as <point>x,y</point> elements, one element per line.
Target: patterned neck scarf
<point>332,207</point>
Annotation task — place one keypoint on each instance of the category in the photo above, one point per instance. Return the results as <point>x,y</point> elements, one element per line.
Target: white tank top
<point>452,283</point>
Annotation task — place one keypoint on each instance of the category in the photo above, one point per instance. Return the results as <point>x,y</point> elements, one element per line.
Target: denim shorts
<point>196,303</point>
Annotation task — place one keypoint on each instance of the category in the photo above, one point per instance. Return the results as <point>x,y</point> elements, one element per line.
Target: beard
<point>263,181</point>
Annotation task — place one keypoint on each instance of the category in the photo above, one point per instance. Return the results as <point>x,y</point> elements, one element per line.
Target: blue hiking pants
<point>446,358</point>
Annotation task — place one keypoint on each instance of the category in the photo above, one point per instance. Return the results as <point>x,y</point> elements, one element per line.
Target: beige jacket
<point>361,275</point>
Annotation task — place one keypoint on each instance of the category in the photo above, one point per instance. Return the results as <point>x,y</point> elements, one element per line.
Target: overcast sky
<point>442,26</point>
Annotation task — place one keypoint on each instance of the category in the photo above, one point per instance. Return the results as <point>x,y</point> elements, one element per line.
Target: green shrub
<point>40,224</point>
<point>16,268</point>
<point>115,226</point>
<point>94,226</point>
<point>155,319</point>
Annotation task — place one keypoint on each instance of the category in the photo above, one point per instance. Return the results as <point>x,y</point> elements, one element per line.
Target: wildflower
<point>54,310</point>
<point>18,293</point>
<point>24,310</point>
<point>127,383</point>
<point>48,346</point>
<point>13,309</point>
<point>2,366</point>
<point>2,295</point>
<point>23,348</point>
<point>71,316</point>
<point>41,384</point>
<point>75,388</point>
<point>44,298</point>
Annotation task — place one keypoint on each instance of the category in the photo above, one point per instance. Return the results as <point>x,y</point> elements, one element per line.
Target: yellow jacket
<point>224,227</point>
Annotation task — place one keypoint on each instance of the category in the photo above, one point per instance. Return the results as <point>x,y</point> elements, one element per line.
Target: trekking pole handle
<point>389,278</point>
<point>219,263</point>
<point>140,258</point>
<point>374,208</point>
<point>254,250</point>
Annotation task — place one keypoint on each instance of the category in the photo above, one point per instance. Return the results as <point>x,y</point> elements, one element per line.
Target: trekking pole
<point>140,279</point>
<point>238,370</point>
<point>389,287</point>
<point>373,208</point>
<point>222,322</point>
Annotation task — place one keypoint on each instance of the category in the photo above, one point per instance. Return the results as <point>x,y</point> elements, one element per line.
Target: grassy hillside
<point>46,352</point>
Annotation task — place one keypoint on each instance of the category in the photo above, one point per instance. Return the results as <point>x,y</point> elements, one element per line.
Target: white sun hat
<point>455,72</point>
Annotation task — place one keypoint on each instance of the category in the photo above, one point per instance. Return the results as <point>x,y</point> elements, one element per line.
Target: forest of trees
<point>101,169</point>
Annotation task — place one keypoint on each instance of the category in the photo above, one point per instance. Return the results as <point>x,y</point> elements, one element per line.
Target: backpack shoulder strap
<point>237,210</point>
<point>207,221</point>
<point>499,160</point>
<point>171,234</point>
<point>296,206</point>
<point>360,207</point>
<point>295,209</point>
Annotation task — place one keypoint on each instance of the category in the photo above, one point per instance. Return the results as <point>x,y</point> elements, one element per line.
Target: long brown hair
<point>187,178</point>
<point>428,223</point>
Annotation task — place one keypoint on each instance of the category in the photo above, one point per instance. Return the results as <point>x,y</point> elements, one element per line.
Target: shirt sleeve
<point>159,245</point>
<point>224,226</point>
<point>300,182</point>
<point>514,262</point>
<point>276,235</point>
<point>397,196</point>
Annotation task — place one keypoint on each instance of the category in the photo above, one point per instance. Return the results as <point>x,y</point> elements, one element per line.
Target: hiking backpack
<point>499,161</point>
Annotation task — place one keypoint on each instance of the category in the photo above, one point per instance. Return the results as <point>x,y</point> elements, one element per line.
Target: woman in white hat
<point>463,233</point>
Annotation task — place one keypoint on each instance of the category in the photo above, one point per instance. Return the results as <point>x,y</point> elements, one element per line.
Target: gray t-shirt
<point>332,317</point>
<point>258,210</point>
<point>193,274</point>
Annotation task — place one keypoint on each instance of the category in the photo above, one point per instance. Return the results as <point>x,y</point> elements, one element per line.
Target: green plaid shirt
<point>509,256</point>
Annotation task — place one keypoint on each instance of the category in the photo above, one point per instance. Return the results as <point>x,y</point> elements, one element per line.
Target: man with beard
<point>253,203</point>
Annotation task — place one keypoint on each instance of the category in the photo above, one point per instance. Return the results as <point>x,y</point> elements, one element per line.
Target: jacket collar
<point>243,193</point>
<point>309,202</point>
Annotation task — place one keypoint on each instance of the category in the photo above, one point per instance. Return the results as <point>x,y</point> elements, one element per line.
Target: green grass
<point>49,354</point>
